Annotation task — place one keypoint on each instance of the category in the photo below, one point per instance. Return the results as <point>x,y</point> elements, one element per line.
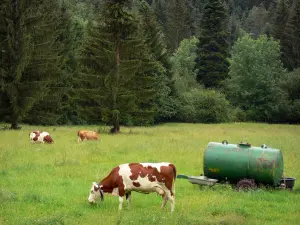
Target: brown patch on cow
<point>174,170</point>
<point>37,134</point>
<point>134,171</point>
<point>136,184</point>
<point>113,180</point>
<point>166,175</point>
<point>48,139</point>
<point>138,170</point>
<point>169,176</point>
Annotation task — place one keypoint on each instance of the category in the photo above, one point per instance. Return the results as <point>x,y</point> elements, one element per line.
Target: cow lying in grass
<point>87,135</point>
<point>139,177</point>
<point>40,137</point>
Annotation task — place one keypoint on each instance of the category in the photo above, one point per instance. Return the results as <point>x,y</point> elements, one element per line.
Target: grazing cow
<point>87,135</point>
<point>139,177</point>
<point>40,137</point>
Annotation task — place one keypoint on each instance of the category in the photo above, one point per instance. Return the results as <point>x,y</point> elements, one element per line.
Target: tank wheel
<point>246,185</point>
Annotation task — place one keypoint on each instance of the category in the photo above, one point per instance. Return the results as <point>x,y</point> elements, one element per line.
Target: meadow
<point>50,184</point>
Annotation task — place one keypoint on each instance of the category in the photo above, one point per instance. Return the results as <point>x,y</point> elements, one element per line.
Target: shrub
<point>204,106</point>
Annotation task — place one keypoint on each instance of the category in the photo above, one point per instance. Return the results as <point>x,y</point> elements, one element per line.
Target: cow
<point>140,177</point>
<point>40,137</point>
<point>87,135</point>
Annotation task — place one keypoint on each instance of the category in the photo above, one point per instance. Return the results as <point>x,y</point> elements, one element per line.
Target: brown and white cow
<point>139,177</point>
<point>40,137</point>
<point>87,135</point>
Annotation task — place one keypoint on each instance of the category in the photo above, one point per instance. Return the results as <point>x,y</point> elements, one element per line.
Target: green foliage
<point>255,69</point>
<point>235,28</point>
<point>55,106</point>
<point>30,60</point>
<point>257,21</point>
<point>183,65</point>
<point>159,7</point>
<point>281,17</point>
<point>290,84</point>
<point>212,49</point>
<point>119,72</point>
<point>178,22</point>
<point>196,105</point>
<point>204,106</point>
<point>155,40</point>
<point>291,39</point>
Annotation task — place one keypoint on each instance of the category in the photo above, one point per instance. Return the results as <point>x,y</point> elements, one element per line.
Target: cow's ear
<point>96,186</point>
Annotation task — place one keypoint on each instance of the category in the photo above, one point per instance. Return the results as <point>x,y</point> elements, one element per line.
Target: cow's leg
<point>121,196</point>
<point>165,199</point>
<point>128,198</point>
<point>161,192</point>
<point>78,139</point>
<point>171,197</point>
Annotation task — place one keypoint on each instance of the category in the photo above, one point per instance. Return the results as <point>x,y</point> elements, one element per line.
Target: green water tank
<point>233,162</point>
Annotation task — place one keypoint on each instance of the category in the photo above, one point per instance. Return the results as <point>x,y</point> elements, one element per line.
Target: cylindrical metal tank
<point>233,162</point>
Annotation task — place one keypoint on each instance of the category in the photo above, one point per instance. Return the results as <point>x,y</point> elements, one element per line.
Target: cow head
<point>95,193</point>
<point>48,139</point>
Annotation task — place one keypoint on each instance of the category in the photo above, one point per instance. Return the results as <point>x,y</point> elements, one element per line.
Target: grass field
<point>49,184</point>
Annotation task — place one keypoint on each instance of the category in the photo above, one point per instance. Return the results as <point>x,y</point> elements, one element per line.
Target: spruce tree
<point>29,54</point>
<point>281,17</point>
<point>55,105</point>
<point>290,46</point>
<point>159,7</point>
<point>118,71</point>
<point>155,40</point>
<point>178,22</point>
<point>212,49</point>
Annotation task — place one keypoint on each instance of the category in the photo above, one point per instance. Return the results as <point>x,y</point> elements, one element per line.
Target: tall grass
<point>49,184</point>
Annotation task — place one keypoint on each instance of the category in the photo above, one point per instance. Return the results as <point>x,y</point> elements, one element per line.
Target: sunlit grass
<point>49,184</point>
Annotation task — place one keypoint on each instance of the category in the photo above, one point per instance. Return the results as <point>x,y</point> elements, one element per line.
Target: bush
<point>290,85</point>
<point>204,106</point>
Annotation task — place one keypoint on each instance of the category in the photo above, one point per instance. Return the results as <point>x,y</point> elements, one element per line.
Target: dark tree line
<point>125,62</point>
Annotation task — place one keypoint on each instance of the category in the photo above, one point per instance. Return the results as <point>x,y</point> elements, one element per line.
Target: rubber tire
<point>246,185</point>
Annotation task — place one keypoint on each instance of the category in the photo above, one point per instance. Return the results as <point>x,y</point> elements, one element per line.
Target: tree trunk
<point>14,125</point>
<point>116,112</point>
<point>115,121</point>
<point>14,122</point>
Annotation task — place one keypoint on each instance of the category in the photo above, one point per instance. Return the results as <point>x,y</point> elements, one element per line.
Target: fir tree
<point>212,48</point>
<point>178,22</point>
<point>290,46</point>
<point>29,54</point>
<point>281,17</point>
<point>155,40</point>
<point>159,7</point>
<point>55,105</point>
<point>118,71</point>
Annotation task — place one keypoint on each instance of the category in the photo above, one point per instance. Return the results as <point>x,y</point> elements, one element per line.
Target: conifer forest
<point>140,63</point>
